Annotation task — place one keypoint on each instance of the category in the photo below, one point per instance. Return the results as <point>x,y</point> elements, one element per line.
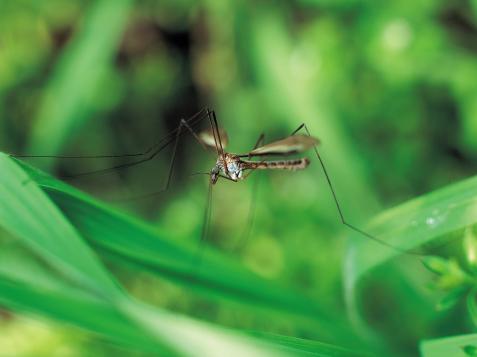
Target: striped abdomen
<point>298,164</point>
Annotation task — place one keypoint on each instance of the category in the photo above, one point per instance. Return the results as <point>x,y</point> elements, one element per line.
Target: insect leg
<point>207,214</point>
<point>193,120</point>
<point>151,152</point>
<point>251,215</point>
<point>183,124</point>
<point>197,261</point>
<point>338,206</point>
<point>218,141</point>
<point>253,202</point>
<point>259,142</point>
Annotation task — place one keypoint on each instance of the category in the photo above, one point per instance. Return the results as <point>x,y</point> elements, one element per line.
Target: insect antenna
<point>340,211</point>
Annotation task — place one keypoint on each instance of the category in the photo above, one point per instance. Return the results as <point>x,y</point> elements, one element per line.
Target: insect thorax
<point>234,166</point>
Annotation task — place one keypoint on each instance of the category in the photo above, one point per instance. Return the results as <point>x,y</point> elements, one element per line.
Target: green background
<point>390,90</point>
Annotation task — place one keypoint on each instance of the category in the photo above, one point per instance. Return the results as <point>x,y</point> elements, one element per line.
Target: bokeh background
<point>388,87</point>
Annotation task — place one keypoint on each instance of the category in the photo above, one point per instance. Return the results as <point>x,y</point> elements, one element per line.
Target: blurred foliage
<point>388,87</point>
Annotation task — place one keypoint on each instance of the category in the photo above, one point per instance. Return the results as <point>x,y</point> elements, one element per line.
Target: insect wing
<point>207,137</point>
<point>292,144</point>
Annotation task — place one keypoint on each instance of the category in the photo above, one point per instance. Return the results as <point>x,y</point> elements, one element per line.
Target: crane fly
<point>233,167</point>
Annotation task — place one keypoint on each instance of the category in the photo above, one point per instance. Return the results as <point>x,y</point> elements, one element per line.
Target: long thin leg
<point>151,152</point>
<point>251,215</point>
<point>183,124</point>
<point>214,117</point>
<point>218,140</point>
<point>197,262</point>
<point>208,174</point>
<point>215,131</point>
<point>253,203</point>
<point>338,206</point>
<point>260,141</point>
<point>178,131</point>
<point>207,214</point>
<point>193,120</point>
<point>166,141</point>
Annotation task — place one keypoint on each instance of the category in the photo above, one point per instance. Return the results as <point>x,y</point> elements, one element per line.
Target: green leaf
<point>470,248</point>
<point>450,274</point>
<point>130,240</point>
<point>435,264</point>
<point>26,285</point>
<point>452,298</point>
<point>29,286</point>
<point>195,338</point>
<point>449,346</point>
<point>95,304</point>
<point>418,222</point>
<point>316,348</point>
<point>472,305</point>
<point>412,225</point>
<point>470,350</point>
<point>27,213</point>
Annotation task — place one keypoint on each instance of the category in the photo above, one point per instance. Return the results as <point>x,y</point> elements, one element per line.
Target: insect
<point>229,166</point>
<point>233,166</point>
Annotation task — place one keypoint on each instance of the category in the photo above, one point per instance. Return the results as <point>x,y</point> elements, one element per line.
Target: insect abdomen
<point>298,164</point>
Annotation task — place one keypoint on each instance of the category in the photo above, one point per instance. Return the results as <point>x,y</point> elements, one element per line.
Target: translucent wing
<point>291,145</point>
<point>207,137</point>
